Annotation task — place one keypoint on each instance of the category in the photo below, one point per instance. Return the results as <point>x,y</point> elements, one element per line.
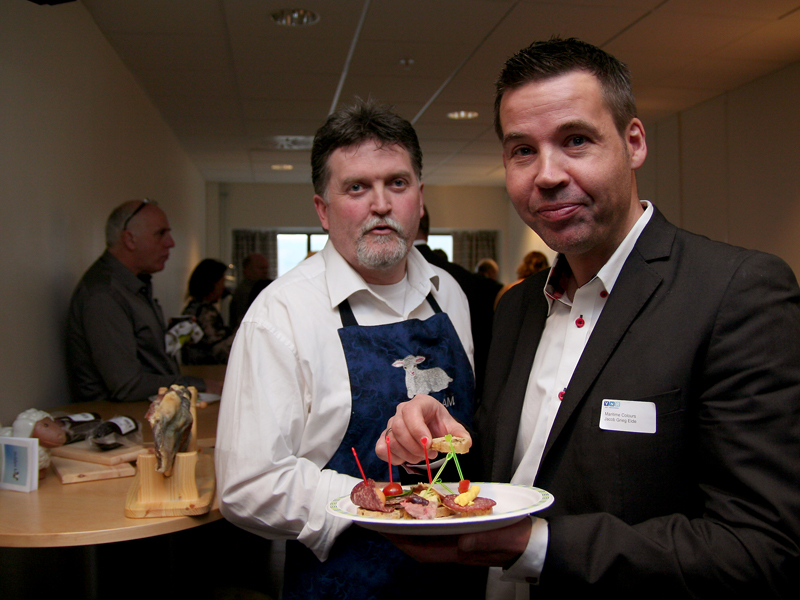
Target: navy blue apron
<point>387,364</point>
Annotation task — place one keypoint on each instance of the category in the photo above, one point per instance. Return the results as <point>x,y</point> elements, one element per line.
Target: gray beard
<point>382,252</point>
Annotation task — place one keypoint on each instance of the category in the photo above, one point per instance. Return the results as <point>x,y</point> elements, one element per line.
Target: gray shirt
<point>115,337</point>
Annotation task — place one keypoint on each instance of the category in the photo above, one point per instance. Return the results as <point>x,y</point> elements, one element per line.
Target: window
<point>293,248</point>
<point>442,242</point>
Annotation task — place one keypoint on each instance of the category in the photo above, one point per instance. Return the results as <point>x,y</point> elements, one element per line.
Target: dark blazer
<point>708,504</point>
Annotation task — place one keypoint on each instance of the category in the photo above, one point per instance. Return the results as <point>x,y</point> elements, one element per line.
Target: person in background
<point>488,268</point>
<point>480,294</point>
<point>206,289</point>
<point>319,364</point>
<point>533,262</point>
<point>255,269</point>
<point>115,328</point>
<point>649,380</point>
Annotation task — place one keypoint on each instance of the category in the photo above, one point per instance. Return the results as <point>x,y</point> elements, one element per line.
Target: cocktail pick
<point>424,442</point>
<point>389,453</point>
<point>358,462</point>
<point>393,489</point>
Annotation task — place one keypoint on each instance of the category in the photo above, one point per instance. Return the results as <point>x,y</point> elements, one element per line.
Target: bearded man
<point>313,373</point>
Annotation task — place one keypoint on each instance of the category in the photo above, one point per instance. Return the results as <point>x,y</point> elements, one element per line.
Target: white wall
<point>730,167</point>
<point>78,137</point>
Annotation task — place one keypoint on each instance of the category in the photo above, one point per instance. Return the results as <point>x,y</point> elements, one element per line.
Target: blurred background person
<point>206,288</point>
<point>255,269</point>
<point>533,262</point>
<point>488,268</point>
<point>116,329</point>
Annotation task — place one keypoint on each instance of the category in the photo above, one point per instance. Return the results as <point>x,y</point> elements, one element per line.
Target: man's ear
<point>421,201</point>
<point>128,240</point>
<point>637,145</point>
<point>322,210</point>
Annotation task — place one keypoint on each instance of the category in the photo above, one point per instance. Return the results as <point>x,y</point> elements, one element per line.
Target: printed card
<point>19,464</point>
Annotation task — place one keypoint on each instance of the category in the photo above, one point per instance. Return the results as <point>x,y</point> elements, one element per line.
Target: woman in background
<point>533,262</point>
<point>206,288</point>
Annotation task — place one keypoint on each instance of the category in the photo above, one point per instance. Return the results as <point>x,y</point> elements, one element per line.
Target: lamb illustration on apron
<point>422,381</point>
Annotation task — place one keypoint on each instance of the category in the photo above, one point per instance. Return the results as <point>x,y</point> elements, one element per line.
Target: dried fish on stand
<point>176,479</point>
<point>170,415</point>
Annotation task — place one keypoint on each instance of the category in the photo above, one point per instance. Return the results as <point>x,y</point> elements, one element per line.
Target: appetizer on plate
<point>422,501</point>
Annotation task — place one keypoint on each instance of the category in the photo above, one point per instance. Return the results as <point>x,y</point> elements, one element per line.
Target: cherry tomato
<point>463,486</point>
<point>393,489</point>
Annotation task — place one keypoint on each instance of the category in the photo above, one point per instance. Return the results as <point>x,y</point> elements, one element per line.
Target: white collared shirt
<point>286,401</point>
<point>567,330</point>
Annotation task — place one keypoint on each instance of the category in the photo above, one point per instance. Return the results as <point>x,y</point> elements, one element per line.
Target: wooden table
<point>93,512</point>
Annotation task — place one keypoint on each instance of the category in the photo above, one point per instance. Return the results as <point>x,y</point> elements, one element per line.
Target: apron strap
<point>349,319</point>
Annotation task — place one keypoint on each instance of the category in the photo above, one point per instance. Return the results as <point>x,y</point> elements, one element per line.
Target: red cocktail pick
<point>393,489</point>
<point>424,442</point>
<point>389,453</point>
<point>358,462</point>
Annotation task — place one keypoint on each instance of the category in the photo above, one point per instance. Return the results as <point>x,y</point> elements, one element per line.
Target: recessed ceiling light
<point>295,17</point>
<point>282,167</point>
<point>291,142</point>
<point>460,115</point>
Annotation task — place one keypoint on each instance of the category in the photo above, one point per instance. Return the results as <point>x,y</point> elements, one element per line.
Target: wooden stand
<point>188,491</point>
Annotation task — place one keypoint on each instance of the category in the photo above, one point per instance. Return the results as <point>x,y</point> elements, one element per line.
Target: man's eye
<point>399,183</point>
<point>356,187</point>
<point>577,140</point>
<point>523,151</point>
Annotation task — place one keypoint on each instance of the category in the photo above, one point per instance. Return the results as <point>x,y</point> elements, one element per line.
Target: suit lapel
<point>510,409</point>
<point>635,285</point>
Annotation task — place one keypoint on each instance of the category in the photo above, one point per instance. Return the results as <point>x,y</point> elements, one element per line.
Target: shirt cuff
<point>528,567</point>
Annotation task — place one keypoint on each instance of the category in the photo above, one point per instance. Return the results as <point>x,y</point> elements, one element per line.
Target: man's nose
<point>381,200</point>
<point>168,241</point>
<point>552,172</point>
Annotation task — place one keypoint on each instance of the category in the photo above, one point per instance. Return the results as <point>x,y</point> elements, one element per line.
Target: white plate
<point>514,502</point>
<point>201,397</point>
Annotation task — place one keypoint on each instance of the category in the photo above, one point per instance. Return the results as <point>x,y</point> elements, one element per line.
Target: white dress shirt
<point>286,402</point>
<point>567,330</point>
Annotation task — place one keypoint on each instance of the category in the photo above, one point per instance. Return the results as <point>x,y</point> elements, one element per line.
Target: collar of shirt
<point>608,274</point>
<point>343,280</point>
<point>141,284</point>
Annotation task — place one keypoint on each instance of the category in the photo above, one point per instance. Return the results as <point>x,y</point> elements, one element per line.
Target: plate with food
<point>437,508</point>
<point>512,503</point>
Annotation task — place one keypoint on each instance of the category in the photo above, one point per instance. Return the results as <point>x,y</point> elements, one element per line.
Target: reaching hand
<point>422,416</point>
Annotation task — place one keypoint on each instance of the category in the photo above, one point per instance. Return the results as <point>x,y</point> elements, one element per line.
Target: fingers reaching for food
<point>422,416</point>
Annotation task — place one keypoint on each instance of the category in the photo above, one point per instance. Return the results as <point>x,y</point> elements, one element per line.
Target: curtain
<point>469,247</point>
<point>247,241</point>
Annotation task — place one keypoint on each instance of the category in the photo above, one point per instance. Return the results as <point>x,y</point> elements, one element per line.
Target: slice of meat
<point>366,495</point>
<point>171,418</point>
<point>418,507</point>
<point>479,506</point>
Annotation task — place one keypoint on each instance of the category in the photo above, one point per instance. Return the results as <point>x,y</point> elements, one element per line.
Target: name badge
<point>628,415</point>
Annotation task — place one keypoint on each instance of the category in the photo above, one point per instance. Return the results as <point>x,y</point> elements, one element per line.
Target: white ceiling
<point>227,79</point>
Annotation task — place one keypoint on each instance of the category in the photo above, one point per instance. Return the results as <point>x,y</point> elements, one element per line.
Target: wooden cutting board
<point>76,471</point>
<point>84,452</point>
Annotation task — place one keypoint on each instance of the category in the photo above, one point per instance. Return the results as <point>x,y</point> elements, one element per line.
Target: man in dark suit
<point>649,381</point>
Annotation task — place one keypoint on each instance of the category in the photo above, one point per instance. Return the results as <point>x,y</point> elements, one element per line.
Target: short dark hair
<point>205,276</point>
<point>556,56</point>
<point>356,124</point>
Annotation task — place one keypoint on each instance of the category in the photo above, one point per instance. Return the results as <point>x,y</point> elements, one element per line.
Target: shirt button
<point>603,294</point>
<point>579,322</point>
